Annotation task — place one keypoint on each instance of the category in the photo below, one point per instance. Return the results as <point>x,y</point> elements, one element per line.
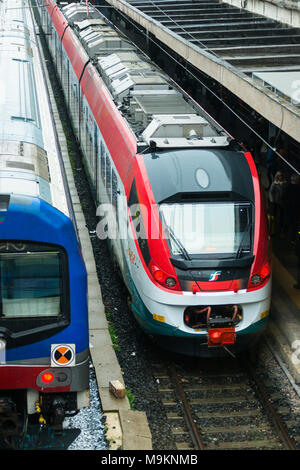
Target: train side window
<point>59,57</point>
<point>103,162</point>
<point>53,32</point>
<point>74,98</point>
<point>65,75</point>
<point>133,199</point>
<point>96,156</point>
<point>137,219</point>
<point>114,190</point>
<point>90,152</point>
<point>108,176</point>
<point>86,140</point>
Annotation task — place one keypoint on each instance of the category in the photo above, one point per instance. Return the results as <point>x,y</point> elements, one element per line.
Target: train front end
<point>44,361</point>
<point>204,285</point>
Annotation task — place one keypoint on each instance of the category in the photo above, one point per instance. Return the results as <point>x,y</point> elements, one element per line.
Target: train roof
<point>29,160</point>
<point>191,173</point>
<point>158,112</point>
<point>19,111</point>
<point>24,217</point>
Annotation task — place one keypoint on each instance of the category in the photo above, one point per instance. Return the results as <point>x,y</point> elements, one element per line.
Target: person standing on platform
<point>291,202</point>
<point>276,193</point>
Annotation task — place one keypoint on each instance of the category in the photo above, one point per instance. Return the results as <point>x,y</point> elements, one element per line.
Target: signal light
<point>215,336</point>
<point>221,336</point>
<point>158,275</point>
<point>54,377</point>
<point>162,277</point>
<point>47,377</point>
<point>265,272</point>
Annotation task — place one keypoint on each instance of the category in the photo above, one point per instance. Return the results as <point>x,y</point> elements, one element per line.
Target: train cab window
<point>207,228</point>
<point>32,284</point>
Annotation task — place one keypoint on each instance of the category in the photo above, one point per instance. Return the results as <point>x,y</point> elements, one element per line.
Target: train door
<point>52,42</point>
<point>96,160</point>
<point>58,49</point>
<point>117,201</point>
<point>65,75</point>
<point>74,101</point>
<point>101,182</point>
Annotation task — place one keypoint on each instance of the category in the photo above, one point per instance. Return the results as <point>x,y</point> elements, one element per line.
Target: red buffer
<point>221,336</point>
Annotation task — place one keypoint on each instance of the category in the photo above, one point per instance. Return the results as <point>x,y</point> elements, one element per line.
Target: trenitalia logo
<point>214,276</point>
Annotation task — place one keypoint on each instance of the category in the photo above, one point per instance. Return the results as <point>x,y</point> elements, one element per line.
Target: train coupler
<point>42,421</point>
<point>58,412</point>
<point>53,408</point>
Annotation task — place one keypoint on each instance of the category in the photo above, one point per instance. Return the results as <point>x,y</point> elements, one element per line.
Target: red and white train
<point>181,203</point>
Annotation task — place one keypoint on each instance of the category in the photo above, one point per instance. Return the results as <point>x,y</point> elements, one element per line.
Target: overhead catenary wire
<point>295,170</point>
<point>179,26</point>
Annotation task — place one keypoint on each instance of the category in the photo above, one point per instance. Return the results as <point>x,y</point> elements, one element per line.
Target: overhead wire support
<point>266,143</point>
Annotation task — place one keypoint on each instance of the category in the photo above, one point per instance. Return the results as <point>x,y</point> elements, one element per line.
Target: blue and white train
<point>44,348</point>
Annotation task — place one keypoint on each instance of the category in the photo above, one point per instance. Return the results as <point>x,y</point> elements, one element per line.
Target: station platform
<point>284,323</point>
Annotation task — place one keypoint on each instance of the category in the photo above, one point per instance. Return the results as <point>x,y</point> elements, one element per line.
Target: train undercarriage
<point>50,410</point>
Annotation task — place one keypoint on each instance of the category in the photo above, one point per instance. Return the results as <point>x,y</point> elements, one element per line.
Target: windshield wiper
<point>246,231</point>
<point>182,249</point>
<point>185,254</point>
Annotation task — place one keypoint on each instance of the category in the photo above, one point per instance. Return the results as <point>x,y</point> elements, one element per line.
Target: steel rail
<point>274,417</point>
<point>186,410</point>
<point>275,421</point>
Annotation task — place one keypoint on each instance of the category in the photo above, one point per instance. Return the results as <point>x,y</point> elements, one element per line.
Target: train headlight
<point>259,278</point>
<point>170,282</point>
<point>256,279</point>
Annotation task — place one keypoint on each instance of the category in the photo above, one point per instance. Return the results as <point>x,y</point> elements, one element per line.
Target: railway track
<point>231,409</point>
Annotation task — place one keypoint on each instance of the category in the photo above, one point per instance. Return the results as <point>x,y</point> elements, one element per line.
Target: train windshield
<point>208,228</point>
<point>31,284</point>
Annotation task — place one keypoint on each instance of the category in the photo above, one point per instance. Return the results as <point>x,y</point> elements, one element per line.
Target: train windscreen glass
<point>31,284</point>
<point>207,228</point>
